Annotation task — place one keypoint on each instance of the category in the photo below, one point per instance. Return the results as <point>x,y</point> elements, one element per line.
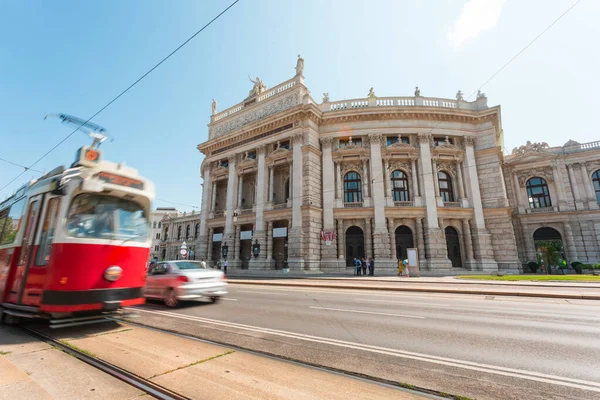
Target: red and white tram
<point>74,244</point>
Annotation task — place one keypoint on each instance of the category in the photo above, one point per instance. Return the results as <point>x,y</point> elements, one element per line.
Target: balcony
<point>219,214</point>
<point>357,204</point>
<point>404,204</point>
<point>540,210</point>
<point>279,206</point>
<point>452,204</point>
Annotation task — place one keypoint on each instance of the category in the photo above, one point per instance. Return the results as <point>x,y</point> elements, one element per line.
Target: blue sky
<point>73,57</point>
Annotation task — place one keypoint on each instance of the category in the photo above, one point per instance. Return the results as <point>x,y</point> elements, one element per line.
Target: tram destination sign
<point>120,180</point>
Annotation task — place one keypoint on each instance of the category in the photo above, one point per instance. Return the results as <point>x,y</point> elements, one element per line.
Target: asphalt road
<point>475,346</point>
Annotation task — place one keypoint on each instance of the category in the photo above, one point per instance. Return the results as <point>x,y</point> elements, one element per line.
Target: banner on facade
<point>279,232</point>
<point>217,237</point>
<point>327,237</point>
<point>246,235</point>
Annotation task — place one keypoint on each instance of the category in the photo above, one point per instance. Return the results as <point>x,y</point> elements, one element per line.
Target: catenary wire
<point>123,92</point>
<point>22,166</point>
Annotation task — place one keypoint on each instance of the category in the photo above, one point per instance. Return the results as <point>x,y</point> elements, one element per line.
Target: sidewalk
<point>193,368</point>
<point>579,291</point>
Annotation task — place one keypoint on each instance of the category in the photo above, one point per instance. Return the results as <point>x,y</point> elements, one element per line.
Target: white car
<point>175,281</point>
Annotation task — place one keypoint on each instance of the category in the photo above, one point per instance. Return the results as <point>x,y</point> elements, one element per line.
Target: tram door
<point>25,255</point>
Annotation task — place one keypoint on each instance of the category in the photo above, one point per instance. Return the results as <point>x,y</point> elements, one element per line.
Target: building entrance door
<point>453,247</point>
<point>355,244</point>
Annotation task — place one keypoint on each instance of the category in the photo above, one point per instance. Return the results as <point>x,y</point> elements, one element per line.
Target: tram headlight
<point>113,273</point>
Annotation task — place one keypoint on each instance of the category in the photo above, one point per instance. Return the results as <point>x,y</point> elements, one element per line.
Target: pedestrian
<point>405,268</point>
<point>203,263</point>
<point>357,265</point>
<point>364,266</point>
<point>371,267</point>
<point>225,265</point>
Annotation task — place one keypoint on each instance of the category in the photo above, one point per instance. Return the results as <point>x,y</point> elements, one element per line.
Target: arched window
<point>187,232</point>
<point>445,185</point>
<point>596,180</point>
<point>166,235</point>
<point>159,224</point>
<point>179,233</point>
<point>400,186</point>
<point>197,231</point>
<point>537,192</point>
<point>352,188</point>
<point>154,225</point>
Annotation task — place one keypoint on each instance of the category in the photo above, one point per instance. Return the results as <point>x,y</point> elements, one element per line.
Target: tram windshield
<point>106,217</point>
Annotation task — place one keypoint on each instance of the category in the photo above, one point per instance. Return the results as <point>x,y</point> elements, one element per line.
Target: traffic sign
<point>183,252</point>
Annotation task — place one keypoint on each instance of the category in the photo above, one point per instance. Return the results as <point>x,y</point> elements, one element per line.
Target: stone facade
<point>178,227</point>
<point>156,218</point>
<point>384,174</point>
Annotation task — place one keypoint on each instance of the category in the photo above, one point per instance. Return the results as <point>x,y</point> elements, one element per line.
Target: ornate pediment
<point>404,166</point>
<point>542,172</point>
<point>246,163</point>
<point>447,166</point>
<point>351,166</point>
<point>219,171</point>
<point>279,154</point>
<point>530,148</point>
<point>446,148</point>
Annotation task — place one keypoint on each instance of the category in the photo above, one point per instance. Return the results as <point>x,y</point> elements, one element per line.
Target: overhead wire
<point>123,92</point>
<point>19,165</point>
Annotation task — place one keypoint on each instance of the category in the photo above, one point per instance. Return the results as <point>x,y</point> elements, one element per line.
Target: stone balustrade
<point>540,210</point>
<point>579,147</point>
<point>404,204</point>
<point>478,104</point>
<point>452,204</point>
<point>357,204</point>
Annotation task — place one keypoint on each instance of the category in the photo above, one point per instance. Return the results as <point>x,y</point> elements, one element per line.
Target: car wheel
<point>214,299</point>
<point>171,300</point>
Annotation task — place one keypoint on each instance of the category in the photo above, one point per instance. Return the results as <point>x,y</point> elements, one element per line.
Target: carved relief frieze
<point>543,172</point>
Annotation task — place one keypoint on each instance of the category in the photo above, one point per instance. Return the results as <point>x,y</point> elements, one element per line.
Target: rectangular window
<point>48,229</point>
<point>158,235</point>
<point>12,221</point>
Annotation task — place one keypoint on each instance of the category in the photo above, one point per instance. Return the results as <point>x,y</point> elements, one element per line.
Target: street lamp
<point>225,251</point>
<point>256,248</point>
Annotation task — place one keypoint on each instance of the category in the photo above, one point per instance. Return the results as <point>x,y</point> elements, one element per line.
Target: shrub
<point>533,266</point>
<point>575,263</point>
<point>587,266</point>
<point>597,266</point>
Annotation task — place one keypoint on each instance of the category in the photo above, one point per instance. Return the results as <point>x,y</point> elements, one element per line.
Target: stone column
<point>291,180</point>
<point>206,195</point>
<point>482,239</point>
<point>459,177</point>
<point>570,242</point>
<point>341,238</point>
<point>467,239</point>
<point>419,235</point>
<point>381,238</point>
<point>295,254</point>
<point>210,244</point>
<point>415,178</point>
<point>365,179</point>
<point>392,230</point>
<point>435,177</point>
<point>240,193</point>
<point>230,203</point>
<point>530,250</point>
<point>236,244</point>
<point>368,238</point>
<point>340,181</point>
<point>260,189</point>
<point>214,196</point>
<point>517,189</point>
<point>271,178</point>
<point>587,182</point>
<point>558,185</point>
<point>328,185</point>
<point>388,179</point>
<point>269,241</point>
<point>574,185</point>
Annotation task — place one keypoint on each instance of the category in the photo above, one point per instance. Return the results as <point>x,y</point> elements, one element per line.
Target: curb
<point>424,290</point>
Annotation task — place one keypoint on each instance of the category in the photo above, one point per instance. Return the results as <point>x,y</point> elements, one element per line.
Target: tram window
<point>48,228</point>
<point>29,232</point>
<point>106,217</point>
<point>10,224</point>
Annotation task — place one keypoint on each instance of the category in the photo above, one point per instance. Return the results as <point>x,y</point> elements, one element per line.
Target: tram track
<point>142,384</point>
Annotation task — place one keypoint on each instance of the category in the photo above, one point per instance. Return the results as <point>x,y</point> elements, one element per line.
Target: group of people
<point>362,264</point>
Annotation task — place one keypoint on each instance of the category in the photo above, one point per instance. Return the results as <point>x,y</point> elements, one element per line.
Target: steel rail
<point>146,386</point>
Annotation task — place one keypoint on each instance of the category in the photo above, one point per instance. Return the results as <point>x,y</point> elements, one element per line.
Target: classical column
<point>380,236</point>
<point>388,179</point>
<point>206,195</point>
<point>419,234</point>
<point>328,185</point>
<point>269,241</point>
<point>296,255</point>
<point>213,196</point>
<point>392,230</point>
<point>291,180</point>
<point>574,185</point>
<point>260,189</point>
<point>368,238</point>
<point>517,189</point>
<point>236,243</point>
<point>415,178</point>
<point>558,183</point>
<point>230,203</point>
<point>429,186</point>
<point>365,179</point>
<point>240,191</point>
<point>340,180</point>
<point>210,244</point>
<point>341,238</point>
<point>467,239</point>
<point>436,184</point>
<point>587,183</point>
<point>271,178</point>
<point>461,187</point>
<point>570,242</point>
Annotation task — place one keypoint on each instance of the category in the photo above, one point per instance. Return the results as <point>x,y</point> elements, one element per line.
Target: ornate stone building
<point>385,174</point>
<point>156,229</point>
<point>178,227</point>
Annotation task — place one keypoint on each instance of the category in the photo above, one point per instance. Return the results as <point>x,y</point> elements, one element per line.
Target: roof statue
<point>571,142</point>
<point>299,65</point>
<point>530,148</point>
<point>459,96</point>
<point>214,107</point>
<point>417,92</point>
<point>371,94</point>
<point>259,86</point>
<point>325,97</point>
<point>480,95</point>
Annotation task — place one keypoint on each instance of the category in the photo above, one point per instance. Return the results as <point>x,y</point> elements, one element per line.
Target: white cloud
<point>476,17</point>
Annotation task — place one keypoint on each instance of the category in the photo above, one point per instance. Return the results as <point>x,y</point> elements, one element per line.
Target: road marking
<point>228,299</point>
<point>486,368</point>
<point>367,312</point>
<point>404,302</point>
<point>249,291</point>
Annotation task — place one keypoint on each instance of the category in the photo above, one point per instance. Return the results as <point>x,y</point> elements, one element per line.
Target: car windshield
<point>106,217</point>
<point>185,265</point>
